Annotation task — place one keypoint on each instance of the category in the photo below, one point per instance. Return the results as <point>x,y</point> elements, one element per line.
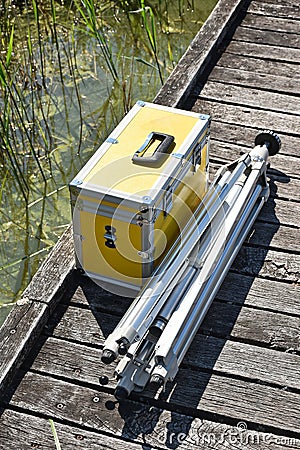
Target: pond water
<point>68,74</point>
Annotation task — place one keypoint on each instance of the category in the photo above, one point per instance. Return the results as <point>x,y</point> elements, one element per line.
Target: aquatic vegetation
<point>68,72</point>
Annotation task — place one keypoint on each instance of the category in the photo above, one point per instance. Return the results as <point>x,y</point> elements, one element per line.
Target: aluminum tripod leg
<point>160,325</point>
<point>168,358</point>
<point>141,314</point>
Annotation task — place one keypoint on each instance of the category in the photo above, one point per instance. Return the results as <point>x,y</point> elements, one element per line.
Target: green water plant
<point>68,73</point>
<point>148,19</point>
<point>95,28</point>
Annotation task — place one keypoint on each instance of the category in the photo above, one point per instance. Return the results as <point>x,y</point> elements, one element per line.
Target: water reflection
<point>59,100</point>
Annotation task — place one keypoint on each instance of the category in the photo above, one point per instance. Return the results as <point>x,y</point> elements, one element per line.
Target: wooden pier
<point>238,386</point>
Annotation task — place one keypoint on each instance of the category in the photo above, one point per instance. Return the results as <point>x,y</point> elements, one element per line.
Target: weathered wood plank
<point>259,66</point>
<point>237,288</point>
<point>236,399</point>
<point>272,264</point>
<point>82,326</point>
<point>17,335</point>
<point>279,38</point>
<point>271,52</point>
<point>249,117</point>
<point>29,316</point>
<point>283,187</point>
<point>260,293</point>
<point>202,52</point>
<point>270,23</point>
<point>244,136</point>
<point>51,277</point>
<point>145,425</point>
<point>25,432</point>
<point>253,291</point>
<point>269,235</point>
<point>206,352</point>
<point>90,294</point>
<point>243,360</point>
<point>255,98</point>
<point>162,428</point>
<point>238,77</point>
<point>195,393</point>
<point>272,329</point>
<point>223,319</point>
<point>289,165</point>
<point>288,10</point>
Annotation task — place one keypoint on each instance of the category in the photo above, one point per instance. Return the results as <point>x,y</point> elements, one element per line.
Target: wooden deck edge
<point>30,314</point>
<point>202,53</point>
<point>49,279</point>
<point>17,336</point>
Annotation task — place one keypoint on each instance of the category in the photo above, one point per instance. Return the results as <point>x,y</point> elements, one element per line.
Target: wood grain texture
<point>244,136</point>
<point>272,38</point>
<point>285,9</point>
<point>274,330</point>
<point>210,353</point>
<point>269,235</point>
<point>236,288</point>
<point>51,276</point>
<point>235,399</point>
<point>271,23</point>
<point>19,430</point>
<point>17,335</point>
<point>228,152</point>
<point>271,329</point>
<point>268,263</point>
<point>263,66</point>
<point>250,97</point>
<point>282,187</point>
<point>202,52</point>
<point>268,82</point>
<point>151,427</point>
<point>260,293</point>
<point>249,116</point>
<point>242,365</point>
<point>270,52</point>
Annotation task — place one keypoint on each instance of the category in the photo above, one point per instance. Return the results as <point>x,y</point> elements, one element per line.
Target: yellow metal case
<point>134,196</point>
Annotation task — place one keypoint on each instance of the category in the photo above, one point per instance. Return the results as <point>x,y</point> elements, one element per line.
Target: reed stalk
<point>87,10</point>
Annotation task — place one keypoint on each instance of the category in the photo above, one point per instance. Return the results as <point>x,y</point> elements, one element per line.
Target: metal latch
<point>110,236</point>
<point>168,200</point>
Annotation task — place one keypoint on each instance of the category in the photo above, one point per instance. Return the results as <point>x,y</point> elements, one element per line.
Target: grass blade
<point>57,444</point>
<point>10,47</point>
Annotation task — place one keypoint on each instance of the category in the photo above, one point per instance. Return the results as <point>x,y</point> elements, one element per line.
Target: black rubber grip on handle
<point>159,155</point>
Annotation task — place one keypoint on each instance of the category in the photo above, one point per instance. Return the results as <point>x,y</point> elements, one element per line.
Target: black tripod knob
<point>270,139</point>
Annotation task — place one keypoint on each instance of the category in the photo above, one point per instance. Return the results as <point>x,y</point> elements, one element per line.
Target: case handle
<point>159,155</point>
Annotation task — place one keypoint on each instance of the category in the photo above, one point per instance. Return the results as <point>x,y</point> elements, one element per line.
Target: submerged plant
<point>68,73</point>
<point>148,18</point>
<point>93,23</point>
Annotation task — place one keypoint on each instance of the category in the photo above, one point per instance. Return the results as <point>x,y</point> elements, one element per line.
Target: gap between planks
<point>205,395</point>
<point>247,116</point>
<point>153,427</point>
<point>285,9</point>
<point>234,348</point>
